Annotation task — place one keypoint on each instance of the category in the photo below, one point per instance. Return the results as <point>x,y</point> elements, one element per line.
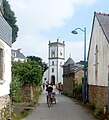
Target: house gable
<point>17,55</point>
<point>98,51</point>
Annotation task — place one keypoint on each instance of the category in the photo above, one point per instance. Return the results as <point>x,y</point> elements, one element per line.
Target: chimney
<point>19,49</point>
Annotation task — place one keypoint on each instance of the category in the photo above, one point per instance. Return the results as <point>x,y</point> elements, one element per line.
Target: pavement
<point>65,109</point>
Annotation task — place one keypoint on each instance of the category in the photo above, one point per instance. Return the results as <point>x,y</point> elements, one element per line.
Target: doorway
<point>53,79</point>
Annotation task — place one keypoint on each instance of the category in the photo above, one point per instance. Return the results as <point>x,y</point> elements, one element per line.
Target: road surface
<point>65,109</point>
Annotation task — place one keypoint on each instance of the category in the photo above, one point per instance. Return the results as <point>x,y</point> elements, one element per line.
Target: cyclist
<point>49,90</point>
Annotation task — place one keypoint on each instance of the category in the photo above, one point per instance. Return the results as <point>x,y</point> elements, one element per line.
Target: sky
<point>41,21</point>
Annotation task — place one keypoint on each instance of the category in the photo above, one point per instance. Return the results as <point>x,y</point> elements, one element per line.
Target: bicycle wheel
<point>49,101</point>
<point>55,100</point>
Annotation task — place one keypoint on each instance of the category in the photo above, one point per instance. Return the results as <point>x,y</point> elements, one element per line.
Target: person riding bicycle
<point>49,90</point>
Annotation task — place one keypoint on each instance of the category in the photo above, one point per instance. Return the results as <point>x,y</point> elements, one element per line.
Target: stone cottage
<point>98,60</point>
<point>72,75</point>
<point>5,65</point>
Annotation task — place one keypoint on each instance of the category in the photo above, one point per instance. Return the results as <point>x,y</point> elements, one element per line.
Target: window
<point>52,62</point>
<point>13,54</point>
<point>52,53</point>
<point>52,69</point>
<point>1,64</point>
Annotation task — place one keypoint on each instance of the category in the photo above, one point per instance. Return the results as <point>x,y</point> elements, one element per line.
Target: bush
<point>97,111</point>
<point>78,89</point>
<point>15,89</point>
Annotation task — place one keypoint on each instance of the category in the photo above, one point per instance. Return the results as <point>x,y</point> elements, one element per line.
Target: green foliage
<point>15,88</point>
<point>34,58</point>
<point>11,19</point>
<point>97,111</point>
<point>78,89</point>
<point>24,73</point>
<point>29,72</point>
<point>39,60</point>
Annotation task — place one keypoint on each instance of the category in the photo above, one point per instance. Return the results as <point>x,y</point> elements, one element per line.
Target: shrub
<point>97,111</point>
<point>15,89</point>
<point>78,89</point>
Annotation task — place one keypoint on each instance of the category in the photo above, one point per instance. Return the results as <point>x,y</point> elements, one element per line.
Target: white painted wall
<point>17,59</point>
<point>99,39</point>
<point>5,86</point>
<point>45,75</point>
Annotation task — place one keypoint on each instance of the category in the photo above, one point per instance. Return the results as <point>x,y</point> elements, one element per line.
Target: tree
<point>11,19</point>
<point>82,63</point>
<point>28,72</point>
<point>39,60</point>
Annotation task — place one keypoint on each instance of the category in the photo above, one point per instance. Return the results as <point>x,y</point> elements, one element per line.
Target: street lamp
<point>75,32</point>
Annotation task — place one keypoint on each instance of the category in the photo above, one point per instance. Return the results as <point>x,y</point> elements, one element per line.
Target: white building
<point>16,55</point>
<point>56,59</point>
<point>5,65</point>
<point>98,60</point>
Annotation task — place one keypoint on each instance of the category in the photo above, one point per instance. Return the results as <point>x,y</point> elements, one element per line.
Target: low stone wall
<point>27,93</point>
<point>69,81</point>
<point>4,107</point>
<point>68,85</point>
<point>78,77</point>
<point>98,95</point>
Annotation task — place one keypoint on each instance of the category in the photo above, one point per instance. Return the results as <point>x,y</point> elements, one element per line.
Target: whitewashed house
<point>98,60</point>
<point>5,64</point>
<point>17,55</point>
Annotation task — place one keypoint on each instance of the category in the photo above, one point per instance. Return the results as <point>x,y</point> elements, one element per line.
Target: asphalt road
<point>65,109</point>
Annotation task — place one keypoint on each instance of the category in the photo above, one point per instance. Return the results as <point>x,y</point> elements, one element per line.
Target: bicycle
<point>49,100</point>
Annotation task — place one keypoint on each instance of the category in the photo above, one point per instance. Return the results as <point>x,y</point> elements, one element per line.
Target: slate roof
<point>74,67</point>
<point>69,61</point>
<point>5,31</point>
<point>18,54</point>
<point>103,20</point>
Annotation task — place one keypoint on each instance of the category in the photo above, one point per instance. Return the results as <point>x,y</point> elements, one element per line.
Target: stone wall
<point>4,107</point>
<point>68,83</point>
<point>78,76</point>
<point>27,93</point>
<point>98,95</point>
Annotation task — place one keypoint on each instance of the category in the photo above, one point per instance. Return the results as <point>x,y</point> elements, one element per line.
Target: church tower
<point>56,61</point>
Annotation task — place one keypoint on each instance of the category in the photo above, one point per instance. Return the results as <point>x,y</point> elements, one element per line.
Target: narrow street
<point>64,109</point>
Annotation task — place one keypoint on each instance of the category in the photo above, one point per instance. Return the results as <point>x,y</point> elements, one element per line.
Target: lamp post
<point>75,32</point>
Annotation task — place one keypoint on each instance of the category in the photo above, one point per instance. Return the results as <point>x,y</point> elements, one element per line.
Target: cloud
<point>33,45</point>
<point>37,16</point>
<point>76,50</point>
<point>43,15</point>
